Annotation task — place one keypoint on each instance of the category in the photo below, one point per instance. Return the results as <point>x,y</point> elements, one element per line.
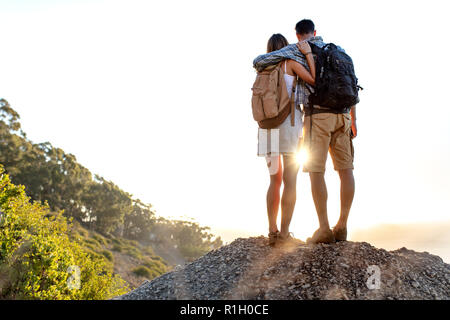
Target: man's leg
<point>320,197</point>
<point>319,137</point>
<point>273,195</point>
<point>289,197</point>
<point>342,153</point>
<point>347,193</point>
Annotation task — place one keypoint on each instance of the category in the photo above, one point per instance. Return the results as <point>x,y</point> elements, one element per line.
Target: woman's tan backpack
<point>270,100</point>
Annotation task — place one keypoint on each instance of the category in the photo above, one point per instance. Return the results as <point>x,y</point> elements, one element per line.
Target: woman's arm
<point>311,64</point>
<point>302,72</point>
<point>305,49</point>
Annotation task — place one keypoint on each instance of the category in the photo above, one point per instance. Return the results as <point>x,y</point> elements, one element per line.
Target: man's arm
<point>353,115</point>
<point>289,52</point>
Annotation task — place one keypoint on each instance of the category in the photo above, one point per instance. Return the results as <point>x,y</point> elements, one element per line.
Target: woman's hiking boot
<point>288,240</point>
<point>321,236</point>
<point>273,236</point>
<point>340,234</point>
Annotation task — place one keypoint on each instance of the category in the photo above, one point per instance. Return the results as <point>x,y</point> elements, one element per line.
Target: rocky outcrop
<point>250,269</point>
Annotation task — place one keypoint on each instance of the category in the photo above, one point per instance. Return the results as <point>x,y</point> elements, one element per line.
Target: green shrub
<point>192,252</point>
<point>89,246</point>
<point>117,247</point>
<point>157,266</point>
<point>92,242</point>
<point>149,251</point>
<point>116,241</point>
<point>37,256</point>
<point>108,255</point>
<point>134,252</point>
<point>76,228</point>
<point>93,254</point>
<point>133,243</point>
<point>100,240</point>
<point>158,258</point>
<point>83,233</point>
<point>143,271</point>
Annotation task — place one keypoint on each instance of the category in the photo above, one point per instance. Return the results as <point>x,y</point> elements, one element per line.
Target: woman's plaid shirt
<point>290,52</point>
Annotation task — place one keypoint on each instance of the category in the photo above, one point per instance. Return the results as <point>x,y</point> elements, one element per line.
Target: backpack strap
<point>294,86</point>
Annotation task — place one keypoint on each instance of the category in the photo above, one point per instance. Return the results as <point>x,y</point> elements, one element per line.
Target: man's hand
<point>353,116</point>
<point>354,129</point>
<point>304,47</point>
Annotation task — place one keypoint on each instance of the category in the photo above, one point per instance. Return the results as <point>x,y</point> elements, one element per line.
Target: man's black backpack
<point>336,84</point>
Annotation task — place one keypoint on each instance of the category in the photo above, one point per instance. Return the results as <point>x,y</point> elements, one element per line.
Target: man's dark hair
<point>305,26</point>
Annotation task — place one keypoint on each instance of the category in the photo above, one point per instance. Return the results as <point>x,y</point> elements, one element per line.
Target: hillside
<point>250,269</point>
<point>133,261</point>
<point>110,227</point>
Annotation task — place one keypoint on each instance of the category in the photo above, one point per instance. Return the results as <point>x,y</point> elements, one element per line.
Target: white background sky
<point>155,96</point>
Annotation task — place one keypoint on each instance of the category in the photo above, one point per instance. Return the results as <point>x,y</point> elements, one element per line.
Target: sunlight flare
<point>302,156</point>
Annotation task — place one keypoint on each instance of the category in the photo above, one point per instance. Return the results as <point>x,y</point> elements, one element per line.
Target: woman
<point>289,140</point>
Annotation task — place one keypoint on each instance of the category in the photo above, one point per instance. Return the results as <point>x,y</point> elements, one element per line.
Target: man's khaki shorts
<point>330,132</point>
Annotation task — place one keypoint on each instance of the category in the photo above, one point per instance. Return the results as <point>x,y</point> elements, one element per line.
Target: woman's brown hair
<point>276,42</point>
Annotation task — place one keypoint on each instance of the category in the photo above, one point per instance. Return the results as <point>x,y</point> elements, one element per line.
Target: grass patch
<point>157,266</point>
<point>89,246</point>
<point>117,247</point>
<point>142,271</point>
<point>100,240</point>
<point>116,241</point>
<point>149,251</point>
<point>108,255</point>
<point>134,252</point>
<point>92,242</point>
<point>160,259</point>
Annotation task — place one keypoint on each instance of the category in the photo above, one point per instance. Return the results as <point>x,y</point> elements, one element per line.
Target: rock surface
<point>250,269</point>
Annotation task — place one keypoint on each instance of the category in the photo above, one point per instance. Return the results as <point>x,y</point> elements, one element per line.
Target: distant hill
<point>433,237</point>
<point>250,269</point>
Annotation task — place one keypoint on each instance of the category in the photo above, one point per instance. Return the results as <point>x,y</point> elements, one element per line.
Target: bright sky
<point>155,96</point>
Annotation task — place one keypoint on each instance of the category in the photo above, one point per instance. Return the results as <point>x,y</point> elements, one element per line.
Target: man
<point>325,130</point>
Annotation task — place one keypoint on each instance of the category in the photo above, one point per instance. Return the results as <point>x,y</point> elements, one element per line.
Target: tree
<point>106,205</point>
<point>37,259</point>
<point>139,221</point>
<point>54,177</point>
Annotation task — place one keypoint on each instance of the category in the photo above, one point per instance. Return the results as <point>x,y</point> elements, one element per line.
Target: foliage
<point>188,237</point>
<point>155,265</point>
<point>139,221</point>
<point>37,255</point>
<point>108,255</point>
<point>119,250</point>
<point>143,271</point>
<point>55,178</point>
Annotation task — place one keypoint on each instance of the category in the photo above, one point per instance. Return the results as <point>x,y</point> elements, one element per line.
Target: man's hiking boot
<point>321,236</point>
<point>340,234</point>
<point>288,240</point>
<point>273,236</point>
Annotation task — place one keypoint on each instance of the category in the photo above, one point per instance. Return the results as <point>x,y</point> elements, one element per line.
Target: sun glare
<point>302,156</point>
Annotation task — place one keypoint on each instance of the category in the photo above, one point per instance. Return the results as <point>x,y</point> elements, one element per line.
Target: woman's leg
<point>273,193</point>
<point>289,197</point>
